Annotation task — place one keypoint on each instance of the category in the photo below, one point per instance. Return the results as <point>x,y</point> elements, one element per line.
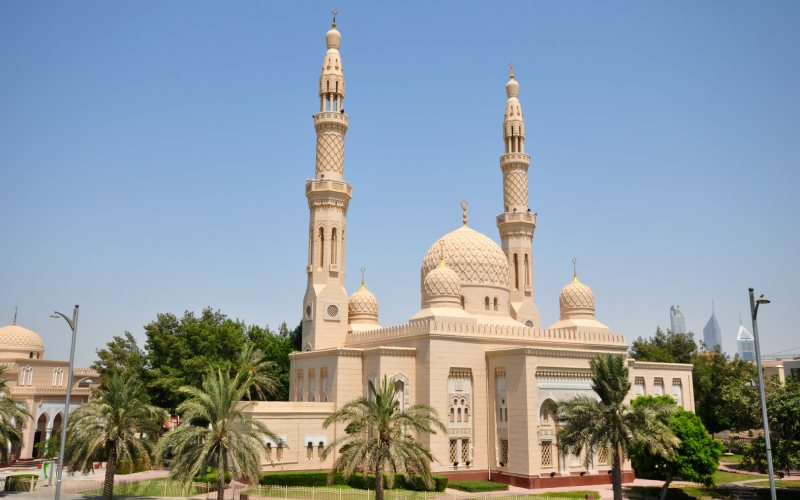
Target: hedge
<point>211,477</point>
<point>131,467</point>
<point>477,486</point>
<point>21,482</point>
<point>358,481</point>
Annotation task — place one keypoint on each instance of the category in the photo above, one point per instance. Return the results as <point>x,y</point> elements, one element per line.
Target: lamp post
<point>753,313</point>
<point>73,324</point>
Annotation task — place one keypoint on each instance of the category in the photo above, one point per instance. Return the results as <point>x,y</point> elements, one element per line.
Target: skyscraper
<point>676,320</point>
<point>745,344</point>
<point>712,334</point>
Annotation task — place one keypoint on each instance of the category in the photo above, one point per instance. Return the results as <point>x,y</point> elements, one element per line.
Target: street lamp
<point>73,324</point>
<point>753,313</point>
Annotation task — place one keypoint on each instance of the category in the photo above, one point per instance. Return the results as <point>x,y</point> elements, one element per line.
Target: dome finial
<point>333,13</point>
<point>363,270</point>
<point>511,76</point>
<point>574,269</point>
<point>464,207</point>
<point>14,321</point>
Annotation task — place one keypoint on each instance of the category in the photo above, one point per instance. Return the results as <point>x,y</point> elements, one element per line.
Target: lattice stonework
<point>330,152</point>
<point>504,451</point>
<point>516,188</point>
<point>464,451</point>
<point>453,450</point>
<point>601,457</point>
<point>547,454</point>
<point>279,452</point>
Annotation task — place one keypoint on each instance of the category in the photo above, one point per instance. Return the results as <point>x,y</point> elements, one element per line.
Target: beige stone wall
<point>671,379</point>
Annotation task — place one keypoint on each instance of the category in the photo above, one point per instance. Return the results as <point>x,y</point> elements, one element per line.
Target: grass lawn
<point>333,492</point>
<point>162,487</point>
<point>731,459</point>
<point>564,494</point>
<point>722,477</point>
<point>780,483</point>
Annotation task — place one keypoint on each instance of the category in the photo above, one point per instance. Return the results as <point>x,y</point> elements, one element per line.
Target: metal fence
<point>165,488</point>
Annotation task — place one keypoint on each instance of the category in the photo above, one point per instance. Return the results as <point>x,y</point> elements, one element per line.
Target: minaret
<point>325,302</point>
<point>517,223</point>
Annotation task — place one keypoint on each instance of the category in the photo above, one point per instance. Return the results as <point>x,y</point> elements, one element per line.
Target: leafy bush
<point>21,482</point>
<point>211,477</point>
<point>478,486</point>
<point>131,467</point>
<point>295,479</point>
<point>359,481</point>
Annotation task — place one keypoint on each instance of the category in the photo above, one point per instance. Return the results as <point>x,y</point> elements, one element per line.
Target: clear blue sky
<point>153,155</point>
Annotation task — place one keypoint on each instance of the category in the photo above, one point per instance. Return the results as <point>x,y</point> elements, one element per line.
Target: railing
<point>487,330</point>
<point>164,487</point>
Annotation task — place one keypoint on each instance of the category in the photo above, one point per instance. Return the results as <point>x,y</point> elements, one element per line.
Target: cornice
<point>660,366</point>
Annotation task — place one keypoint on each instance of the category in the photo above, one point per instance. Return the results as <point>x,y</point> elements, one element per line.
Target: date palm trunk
<point>221,476</point>
<point>111,469</point>
<point>665,488</point>
<point>379,482</point>
<point>616,473</point>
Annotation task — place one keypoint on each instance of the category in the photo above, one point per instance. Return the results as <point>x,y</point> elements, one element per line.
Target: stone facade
<point>475,351</point>
<point>40,384</point>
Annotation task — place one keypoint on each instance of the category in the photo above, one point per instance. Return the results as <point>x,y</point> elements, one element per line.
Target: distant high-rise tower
<point>712,334</point>
<point>745,344</point>
<point>676,320</point>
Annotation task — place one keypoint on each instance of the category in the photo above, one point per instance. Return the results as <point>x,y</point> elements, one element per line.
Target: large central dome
<point>475,257</point>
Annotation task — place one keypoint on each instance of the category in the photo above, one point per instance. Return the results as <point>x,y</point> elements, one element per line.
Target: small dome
<point>512,88</point>
<point>363,303</point>
<point>16,338</point>
<point>576,300</point>
<point>333,38</point>
<point>441,282</point>
<point>474,257</point>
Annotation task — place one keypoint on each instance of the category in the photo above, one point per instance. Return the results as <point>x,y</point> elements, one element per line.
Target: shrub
<point>477,486</point>
<point>359,481</point>
<point>211,477</point>
<point>21,482</point>
<point>294,479</point>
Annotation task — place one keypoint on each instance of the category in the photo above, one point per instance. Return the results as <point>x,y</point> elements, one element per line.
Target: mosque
<point>476,350</point>
<point>40,384</point>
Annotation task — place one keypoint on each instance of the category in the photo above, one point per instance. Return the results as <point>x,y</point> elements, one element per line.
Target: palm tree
<point>216,432</point>
<point>256,371</point>
<point>611,426</point>
<point>12,413</point>
<point>378,438</point>
<point>114,423</point>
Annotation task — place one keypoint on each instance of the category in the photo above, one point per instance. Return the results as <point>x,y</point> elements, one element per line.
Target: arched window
<point>458,413</point>
<point>322,247</point>
<point>320,450</point>
<point>452,414</point>
<point>334,245</point>
<point>527,271</point>
<point>495,303</point>
<point>516,272</point>
<point>310,450</point>
<point>463,302</point>
<point>466,414</point>
<point>486,303</point>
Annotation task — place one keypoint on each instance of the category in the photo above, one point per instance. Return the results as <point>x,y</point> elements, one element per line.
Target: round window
<point>333,311</point>
<point>308,311</point>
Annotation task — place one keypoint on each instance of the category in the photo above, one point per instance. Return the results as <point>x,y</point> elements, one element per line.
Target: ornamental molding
<point>557,373</point>
<point>548,352</point>
<point>333,352</point>
<point>397,352</point>
<point>659,366</point>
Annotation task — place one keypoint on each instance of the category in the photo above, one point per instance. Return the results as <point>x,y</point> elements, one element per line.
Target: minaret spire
<point>325,304</point>
<point>517,223</point>
<point>14,321</point>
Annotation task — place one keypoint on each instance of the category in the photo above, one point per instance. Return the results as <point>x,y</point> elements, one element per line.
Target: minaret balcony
<point>328,186</point>
<point>525,218</point>
<point>509,159</point>
<point>327,117</point>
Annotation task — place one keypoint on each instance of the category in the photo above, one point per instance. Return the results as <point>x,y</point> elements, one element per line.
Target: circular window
<point>308,311</point>
<point>333,310</point>
<point>529,324</point>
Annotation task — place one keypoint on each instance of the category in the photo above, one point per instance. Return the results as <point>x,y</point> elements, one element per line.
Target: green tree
<point>11,411</point>
<point>121,355</point>
<point>665,347</point>
<point>256,372</point>
<point>276,349</point>
<point>216,432</point>
<point>609,424</point>
<point>696,459</point>
<point>783,409</point>
<point>380,438</point>
<point>114,423</point>
<point>180,351</point>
